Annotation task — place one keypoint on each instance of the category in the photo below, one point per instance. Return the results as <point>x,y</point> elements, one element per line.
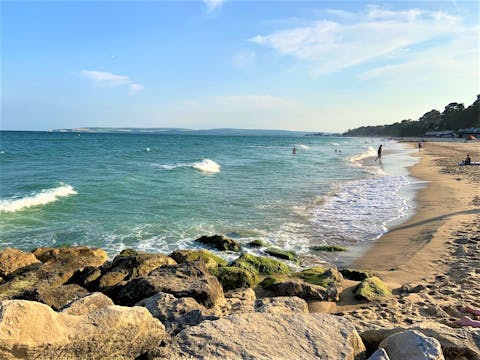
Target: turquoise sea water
<point>160,192</point>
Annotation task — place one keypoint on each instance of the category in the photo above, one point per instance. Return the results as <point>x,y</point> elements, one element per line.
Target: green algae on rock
<point>232,277</point>
<point>211,260</point>
<point>321,276</point>
<point>219,242</point>
<point>256,243</point>
<point>260,264</point>
<point>371,289</point>
<point>330,248</point>
<point>282,254</point>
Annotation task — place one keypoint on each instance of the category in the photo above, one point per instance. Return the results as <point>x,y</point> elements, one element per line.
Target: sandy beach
<point>431,262</point>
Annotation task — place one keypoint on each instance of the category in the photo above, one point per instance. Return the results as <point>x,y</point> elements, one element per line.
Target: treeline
<point>454,117</point>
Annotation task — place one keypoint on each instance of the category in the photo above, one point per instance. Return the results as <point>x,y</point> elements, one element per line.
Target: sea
<point>159,192</point>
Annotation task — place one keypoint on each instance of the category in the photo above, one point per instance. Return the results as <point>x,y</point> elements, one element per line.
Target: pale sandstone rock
<point>14,259</point>
<point>268,336</point>
<point>31,330</point>
<point>281,305</point>
<point>88,304</point>
<point>239,301</point>
<point>412,345</point>
<point>380,354</point>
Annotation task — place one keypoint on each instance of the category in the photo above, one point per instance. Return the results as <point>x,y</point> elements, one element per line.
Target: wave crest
<point>42,198</point>
<point>370,152</point>
<point>206,166</point>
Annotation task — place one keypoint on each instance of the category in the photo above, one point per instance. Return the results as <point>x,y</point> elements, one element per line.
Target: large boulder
<point>190,279</point>
<point>379,354</point>
<point>14,259</point>
<point>211,260</point>
<point>176,313</point>
<point>87,304</point>
<point>32,330</point>
<point>56,268</point>
<point>331,279</point>
<point>294,287</point>
<point>55,297</point>
<point>127,265</point>
<point>457,343</point>
<point>281,305</point>
<point>412,345</point>
<point>232,277</point>
<point>261,265</point>
<point>371,289</point>
<point>355,274</point>
<point>219,242</point>
<point>239,301</point>
<point>268,336</point>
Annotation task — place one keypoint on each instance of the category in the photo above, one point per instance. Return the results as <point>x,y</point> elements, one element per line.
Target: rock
<point>211,260</point>
<point>219,242</point>
<point>295,288</point>
<point>282,254</point>
<point>239,301</point>
<point>412,345</point>
<point>380,354</point>
<point>456,343</point>
<point>176,314</point>
<point>356,275</point>
<point>256,244</point>
<point>56,297</point>
<point>232,277</point>
<point>260,264</point>
<point>269,336</point>
<point>82,256</point>
<point>34,331</point>
<point>281,305</point>
<point>87,304</point>
<point>330,248</point>
<point>57,268</point>
<point>13,259</point>
<point>190,279</point>
<point>372,289</point>
<point>321,276</point>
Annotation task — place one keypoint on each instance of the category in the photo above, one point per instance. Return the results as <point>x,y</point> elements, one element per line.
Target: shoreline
<point>407,252</point>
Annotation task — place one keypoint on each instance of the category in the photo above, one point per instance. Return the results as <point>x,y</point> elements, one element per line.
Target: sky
<point>293,65</point>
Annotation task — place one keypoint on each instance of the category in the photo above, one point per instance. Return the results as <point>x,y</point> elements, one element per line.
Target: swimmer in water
<point>294,151</point>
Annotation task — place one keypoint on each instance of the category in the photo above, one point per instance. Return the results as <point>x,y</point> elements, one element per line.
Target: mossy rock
<point>271,280</point>
<point>260,264</point>
<point>321,276</point>
<point>232,277</point>
<point>329,248</point>
<point>372,289</point>
<point>282,254</point>
<point>357,275</point>
<point>211,260</point>
<point>127,252</point>
<point>256,244</point>
<point>219,242</point>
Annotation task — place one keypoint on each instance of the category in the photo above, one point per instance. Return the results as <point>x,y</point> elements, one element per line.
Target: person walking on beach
<point>379,154</point>
<point>419,146</point>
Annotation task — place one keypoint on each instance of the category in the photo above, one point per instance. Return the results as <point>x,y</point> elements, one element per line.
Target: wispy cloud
<point>213,5</point>
<point>244,59</point>
<point>358,38</point>
<point>107,79</point>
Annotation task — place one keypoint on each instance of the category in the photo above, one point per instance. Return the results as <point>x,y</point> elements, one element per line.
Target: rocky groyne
<point>73,302</point>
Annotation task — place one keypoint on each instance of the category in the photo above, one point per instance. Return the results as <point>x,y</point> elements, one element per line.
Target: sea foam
<point>42,198</point>
<point>206,166</point>
<point>370,152</point>
<point>301,146</point>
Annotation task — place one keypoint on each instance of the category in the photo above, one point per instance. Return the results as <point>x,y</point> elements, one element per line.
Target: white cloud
<point>376,34</point>
<point>213,5</point>
<point>134,88</point>
<point>107,79</point>
<point>244,59</point>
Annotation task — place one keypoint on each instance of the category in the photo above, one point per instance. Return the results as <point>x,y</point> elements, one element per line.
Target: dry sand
<point>433,260</point>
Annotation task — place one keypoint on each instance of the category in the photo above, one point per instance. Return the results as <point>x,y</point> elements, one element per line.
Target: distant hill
<point>180,131</point>
<point>454,117</point>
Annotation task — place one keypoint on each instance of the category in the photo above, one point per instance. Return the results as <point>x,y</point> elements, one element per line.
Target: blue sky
<point>318,65</point>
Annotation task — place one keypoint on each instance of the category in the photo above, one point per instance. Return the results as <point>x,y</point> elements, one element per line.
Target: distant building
<point>442,134</point>
<point>466,133</point>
